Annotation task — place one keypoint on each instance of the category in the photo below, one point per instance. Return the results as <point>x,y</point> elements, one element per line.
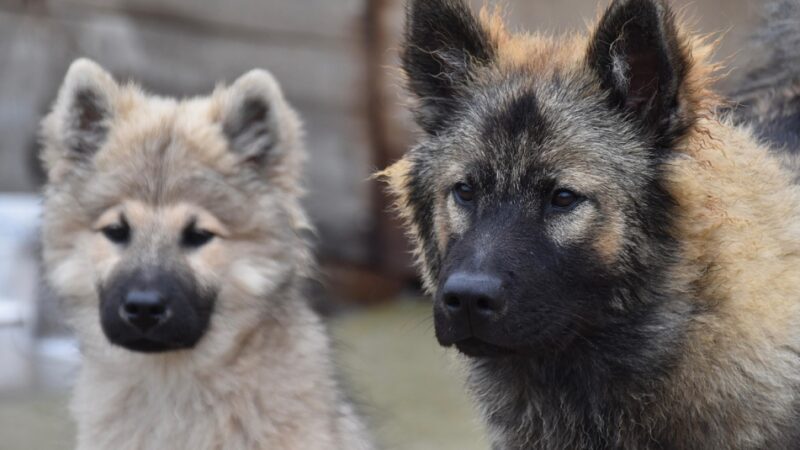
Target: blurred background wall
<point>337,63</point>
<point>336,60</point>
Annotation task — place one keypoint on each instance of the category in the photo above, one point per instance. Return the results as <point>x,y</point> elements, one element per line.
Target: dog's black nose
<point>144,309</point>
<point>476,297</point>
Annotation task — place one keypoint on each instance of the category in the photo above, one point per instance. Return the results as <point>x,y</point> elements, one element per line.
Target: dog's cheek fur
<point>76,258</point>
<point>415,204</point>
<point>252,271</point>
<point>76,265</point>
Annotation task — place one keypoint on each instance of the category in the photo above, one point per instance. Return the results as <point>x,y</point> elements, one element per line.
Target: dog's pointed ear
<point>256,119</point>
<point>444,45</point>
<point>640,59</point>
<point>83,109</point>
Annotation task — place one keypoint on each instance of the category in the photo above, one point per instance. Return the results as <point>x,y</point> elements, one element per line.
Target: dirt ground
<point>409,389</point>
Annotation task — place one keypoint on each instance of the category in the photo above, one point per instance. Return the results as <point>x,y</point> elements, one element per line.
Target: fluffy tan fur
<point>738,221</point>
<point>262,375</point>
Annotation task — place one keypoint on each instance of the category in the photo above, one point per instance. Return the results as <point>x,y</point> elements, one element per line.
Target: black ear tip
<point>641,61</point>
<point>433,5</point>
<point>445,46</point>
<point>435,13</point>
<point>449,26</point>
<point>641,11</point>
<point>641,21</point>
<point>639,3</point>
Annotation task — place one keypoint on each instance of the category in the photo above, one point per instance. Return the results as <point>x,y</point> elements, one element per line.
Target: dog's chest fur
<point>274,392</point>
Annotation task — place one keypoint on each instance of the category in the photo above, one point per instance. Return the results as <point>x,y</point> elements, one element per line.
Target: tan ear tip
<point>260,80</point>
<point>84,72</point>
<point>83,64</point>
<point>83,68</point>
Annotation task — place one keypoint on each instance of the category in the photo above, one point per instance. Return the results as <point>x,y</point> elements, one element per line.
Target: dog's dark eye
<point>193,237</point>
<point>118,233</point>
<point>463,193</point>
<point>564,198</point>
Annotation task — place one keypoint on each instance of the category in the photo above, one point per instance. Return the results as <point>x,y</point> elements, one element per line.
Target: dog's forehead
<point>162,146</point>
<point>162,169</point>
<point>523,122</point>
<point>159,133</point>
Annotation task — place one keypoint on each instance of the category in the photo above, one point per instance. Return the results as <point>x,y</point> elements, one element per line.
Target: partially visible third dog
<point>174,234</point>
<point>767,88</point>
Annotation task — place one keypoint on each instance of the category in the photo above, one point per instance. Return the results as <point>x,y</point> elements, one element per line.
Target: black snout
<point>469,307</point>
<point>154,309</point>
<point>504,287</point>
<point>145,309</point>
<point>474,297</point>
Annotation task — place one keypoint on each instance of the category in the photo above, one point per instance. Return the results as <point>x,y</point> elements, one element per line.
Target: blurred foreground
<point>409,389</point>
